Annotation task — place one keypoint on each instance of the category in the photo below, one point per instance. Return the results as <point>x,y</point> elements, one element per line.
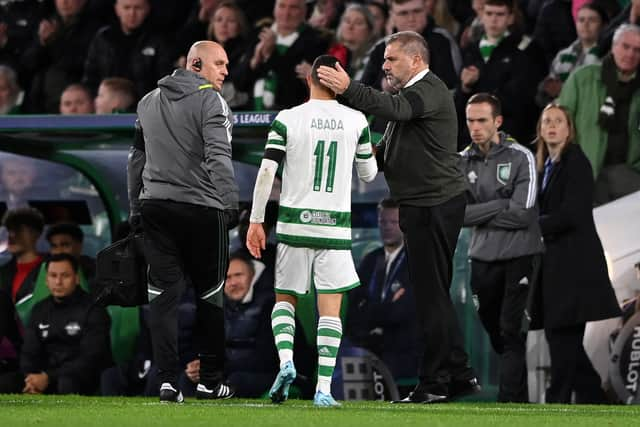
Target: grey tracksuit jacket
<point>501,195</point>
<point>182,149</point>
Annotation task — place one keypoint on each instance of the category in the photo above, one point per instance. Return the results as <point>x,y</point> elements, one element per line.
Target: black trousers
<point>431,234</point>
<point>571,369</point>
<point>501,289</point>
<point>183,244</point>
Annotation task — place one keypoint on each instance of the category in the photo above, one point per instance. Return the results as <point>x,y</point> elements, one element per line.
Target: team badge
<point>72,328</point>
<point>472,177</point>
<point>503,173</point>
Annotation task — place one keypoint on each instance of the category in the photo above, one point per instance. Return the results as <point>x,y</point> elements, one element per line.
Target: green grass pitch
<point>72,411</point>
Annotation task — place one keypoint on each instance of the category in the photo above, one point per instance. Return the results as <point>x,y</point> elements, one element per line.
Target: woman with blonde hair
<point>574,285</point>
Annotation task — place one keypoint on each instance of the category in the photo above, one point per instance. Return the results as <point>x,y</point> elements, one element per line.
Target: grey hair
<point>625,28</point>
<point>412,44</point>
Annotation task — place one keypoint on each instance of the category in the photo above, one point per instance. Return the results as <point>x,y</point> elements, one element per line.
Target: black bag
<point>121,273</point>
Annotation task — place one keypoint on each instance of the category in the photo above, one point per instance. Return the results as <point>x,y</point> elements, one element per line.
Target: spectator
<point>228,26</point>
<point>9,91</point>
<point>555,28</point>
<point>583,51</point>
<point>325,14</point>
<point>473,29</point>
<point>67,238</point>
<point>439,9</point>
<point>574,287</point>
<point>18,176</point>
<point>56,57</point>
<point>505,239</point>
<point>380,13</point>
<point>129,49</point>
<point>269,68</point>
<point>354,37</point>
<point>605,101</point>
<point>497,65</point>
<point>11,379</point>
<point>66,345</point>
<point>115,95</point>
<point>252,361</point>
<point>629,15</point>
<point>411,15</point>
<point>18,276</point>
<point>76,99</point>
<point>18,23</point>
<point>195,28</point>
<point>382,310</point>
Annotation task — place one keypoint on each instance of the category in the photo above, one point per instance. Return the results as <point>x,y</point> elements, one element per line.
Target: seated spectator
<point>195,28</point>
<point>67,238</point>
<point>251,357</point>
<point>498,65</point>
<point>228,26</point>
<point>355,38</point>
<point>382,310</point>
<point>66,345</point>
<point>555,28</point>
<point>18,176</point>
<point>605,102</point>
<point>18,23</point>
<point>629,15</point>
<point>575,287</point>
<point>9,91</point>
<point>472,30</point>
<point>268,69</point>
<point>325,14</point>
<point>11,379</point>
<point>56,57</point>
<point>76,99</point>
<point>380,13</point>
<point>115,95</point>
<point>411,15</point>
<point>129,49</point>
<point>18,275</point>
<point>583,51</point>
<point>439,9</point>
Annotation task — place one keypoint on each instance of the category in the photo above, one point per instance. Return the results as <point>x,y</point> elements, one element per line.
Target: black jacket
<point>142,57</point>
<point>290,90</point>
<point>575,286</point>
<point>440,60</point>
<point>67,338</point>
<point>555,28</point>
<point>508,75</point>
<point>420,158</point>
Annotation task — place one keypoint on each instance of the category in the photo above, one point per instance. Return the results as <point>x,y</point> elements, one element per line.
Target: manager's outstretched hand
<point>335,79</point>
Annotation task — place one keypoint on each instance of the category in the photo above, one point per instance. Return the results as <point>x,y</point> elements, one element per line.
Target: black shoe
<point>459,389</point>
<point>423,397</point>
<point>221,391</point>
<point>169,393</point>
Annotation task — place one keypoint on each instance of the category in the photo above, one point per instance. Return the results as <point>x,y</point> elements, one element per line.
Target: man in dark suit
<point>418,154</point>
<point>382,311</point>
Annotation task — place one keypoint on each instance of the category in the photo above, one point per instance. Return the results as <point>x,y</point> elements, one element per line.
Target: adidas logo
<point>324,351</point>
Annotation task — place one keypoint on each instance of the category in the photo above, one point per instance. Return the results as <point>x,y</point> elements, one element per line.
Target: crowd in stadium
<point>102,56</point>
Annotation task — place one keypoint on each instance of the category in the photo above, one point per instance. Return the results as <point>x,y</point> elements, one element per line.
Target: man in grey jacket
<point>183,194</point>
<point>506,238</point>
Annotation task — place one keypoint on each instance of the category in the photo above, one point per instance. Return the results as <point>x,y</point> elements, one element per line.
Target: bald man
<point>183,195</point>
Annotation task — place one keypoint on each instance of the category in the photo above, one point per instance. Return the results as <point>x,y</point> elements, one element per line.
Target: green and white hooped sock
<point>329,336</point>
<point>283,325</point>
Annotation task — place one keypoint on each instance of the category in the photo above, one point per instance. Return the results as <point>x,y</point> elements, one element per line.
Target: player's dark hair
<point>64,257</point>
<point>69,229</point>
<point>28,217</point>
<point>327,60</point>
<point>484,97</point>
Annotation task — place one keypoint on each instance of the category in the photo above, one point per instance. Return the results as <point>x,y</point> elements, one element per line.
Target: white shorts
<point>333,270</point>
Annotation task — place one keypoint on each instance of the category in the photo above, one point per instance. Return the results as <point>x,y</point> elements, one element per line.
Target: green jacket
<point>583,93</point>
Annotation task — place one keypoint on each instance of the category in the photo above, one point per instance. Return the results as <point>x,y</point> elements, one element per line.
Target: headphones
<point>197,64</point>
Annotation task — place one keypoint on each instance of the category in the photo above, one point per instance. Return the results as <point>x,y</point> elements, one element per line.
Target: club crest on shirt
<point>72,328</point>
<point>472,177</point>
<point>503,172</point>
